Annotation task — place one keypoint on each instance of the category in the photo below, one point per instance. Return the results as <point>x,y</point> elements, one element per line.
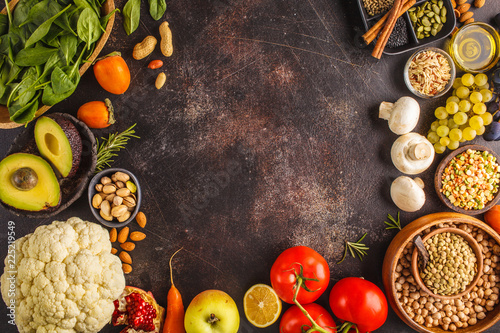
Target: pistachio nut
<point>98,187</point>
<point>120,184</point>
<point>113,178</point>
<point>105,180</point>
<point>124,217</point>
<point>122,177</point>
<point>105,208</point>
<point>129,201</point>
<point>109,188</point>
<point>96,201</point>
<point>131,186</point>
<point>123,192</point>
<point>118,210</point>
<point>104,216</point>
<point>117,200</point>
<point>110,197</point>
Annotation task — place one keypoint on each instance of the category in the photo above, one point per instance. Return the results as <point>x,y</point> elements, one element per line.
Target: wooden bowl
<point>475,248</point>
<point>395,251</point>
<point>439,174</point>
<point>107,7</point>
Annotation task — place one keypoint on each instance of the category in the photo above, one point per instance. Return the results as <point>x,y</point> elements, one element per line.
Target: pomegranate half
<point>138,310</point>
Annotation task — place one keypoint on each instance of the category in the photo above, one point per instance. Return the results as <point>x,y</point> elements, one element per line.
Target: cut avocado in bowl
<point>71,188</point>
<point>28,182</point>
<point>59,142</point>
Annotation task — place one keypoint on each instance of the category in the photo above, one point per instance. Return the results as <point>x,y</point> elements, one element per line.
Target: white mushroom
<point>407,193</point>
<point>412,153</point>
<point>402,115</point>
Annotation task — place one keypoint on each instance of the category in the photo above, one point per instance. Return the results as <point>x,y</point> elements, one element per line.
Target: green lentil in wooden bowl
<point>467,180</point>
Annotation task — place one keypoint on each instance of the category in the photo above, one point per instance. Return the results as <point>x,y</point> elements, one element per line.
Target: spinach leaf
<point>50,98</point>
<point>68,47</point>
<point>22,10</point>
<point>157,8</point>
<point>37,13</point>
<point>51,38</point>
<point>63,23</point>
<point>104,20</point>
<point>61,82</point>
<point>83,4</point>
<point>131,15</point>
<point>4,24</point>
<point>43,29</point>
<point>24,91</point>
<point>34,56</point>
<point>23,114</point>
<point>89,27</point>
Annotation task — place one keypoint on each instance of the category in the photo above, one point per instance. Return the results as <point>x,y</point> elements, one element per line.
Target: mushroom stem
<point>385,110</point>
<point>419,151</point>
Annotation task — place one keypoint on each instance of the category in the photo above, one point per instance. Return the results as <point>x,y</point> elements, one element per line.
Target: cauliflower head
<point>66,278</point>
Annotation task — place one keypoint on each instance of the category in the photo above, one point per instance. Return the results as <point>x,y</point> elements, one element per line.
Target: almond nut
<point>465,16</point>
<point>112,235</point>
<point>479,3</point>
<point>137,236</point>
<point>141,219</point>
<point>463,8</point>
<point>461,2</point>
<point>113,250</point>
<point>128,246</point>
<point>125,257</point>
<point>469,21</point>
<point>453,4</point>
<point>126,268</point>
<point>123,235</point>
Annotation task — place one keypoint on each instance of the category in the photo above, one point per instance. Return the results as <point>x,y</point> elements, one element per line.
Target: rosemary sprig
<point>355,248</point>
<point>393,224</point>
<point>110,146</point>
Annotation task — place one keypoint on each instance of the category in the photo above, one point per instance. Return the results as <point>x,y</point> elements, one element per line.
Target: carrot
<point>174,322</point>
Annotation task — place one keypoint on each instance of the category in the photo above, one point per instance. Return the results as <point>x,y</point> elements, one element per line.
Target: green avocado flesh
<point>44,193</point>
<point>59,142</point>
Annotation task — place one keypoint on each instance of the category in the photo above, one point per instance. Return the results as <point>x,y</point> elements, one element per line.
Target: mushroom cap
<point>412,153</point>
<point>407,194</point>
<point>402,115</point>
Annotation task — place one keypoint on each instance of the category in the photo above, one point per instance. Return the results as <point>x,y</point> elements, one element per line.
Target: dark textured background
<point>265,136</point>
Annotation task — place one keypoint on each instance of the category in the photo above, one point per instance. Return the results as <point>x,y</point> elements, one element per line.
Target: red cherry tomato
<point>360,302</point>
<point>293,320</point>
<point>315,270</point>
<point>492,217</point>
<point>112,73</point>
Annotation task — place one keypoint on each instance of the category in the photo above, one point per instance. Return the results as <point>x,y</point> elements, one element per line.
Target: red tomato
<point>492,217</point>
<point>360,302</point>
<point>288,264</point>
<point>112,73</point>
<point>293,319</point>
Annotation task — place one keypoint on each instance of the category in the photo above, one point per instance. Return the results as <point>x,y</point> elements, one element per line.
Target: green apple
<point>212,311</point>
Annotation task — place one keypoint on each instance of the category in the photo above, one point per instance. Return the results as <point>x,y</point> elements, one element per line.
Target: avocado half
<point>59,142</point>
<point>28,182</point>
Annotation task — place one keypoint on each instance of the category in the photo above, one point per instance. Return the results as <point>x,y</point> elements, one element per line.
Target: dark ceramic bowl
<point>72,187</point>
<point>439,174</point>
<point>92,191</point>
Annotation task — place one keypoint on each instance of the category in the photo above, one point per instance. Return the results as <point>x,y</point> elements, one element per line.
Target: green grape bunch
<point>465,114</point>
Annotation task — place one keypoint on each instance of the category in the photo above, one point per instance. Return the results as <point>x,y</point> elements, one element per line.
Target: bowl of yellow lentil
<point>468,180</point>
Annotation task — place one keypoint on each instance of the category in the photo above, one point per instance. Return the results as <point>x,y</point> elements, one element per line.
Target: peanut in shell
<point>143,49</point>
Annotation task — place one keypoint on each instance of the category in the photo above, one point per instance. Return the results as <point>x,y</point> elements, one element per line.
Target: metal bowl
<point>448,85</point>
<point>92,191</point>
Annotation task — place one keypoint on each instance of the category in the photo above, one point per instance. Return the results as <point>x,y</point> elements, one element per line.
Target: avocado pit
<point>24,179</point>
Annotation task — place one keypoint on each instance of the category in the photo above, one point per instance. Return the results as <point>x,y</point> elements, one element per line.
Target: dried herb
<point>393,224</point>
<point>355,248</point>
<point>110,146</point>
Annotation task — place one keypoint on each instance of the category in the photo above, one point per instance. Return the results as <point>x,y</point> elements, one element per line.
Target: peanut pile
<point>462,312</point>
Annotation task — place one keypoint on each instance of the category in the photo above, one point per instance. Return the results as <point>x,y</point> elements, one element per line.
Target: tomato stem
<point>346,327</point>
<point>314,327</point>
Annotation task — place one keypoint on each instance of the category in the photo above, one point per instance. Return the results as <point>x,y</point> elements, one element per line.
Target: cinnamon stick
<point>388,27</point>
<point>373,32</point>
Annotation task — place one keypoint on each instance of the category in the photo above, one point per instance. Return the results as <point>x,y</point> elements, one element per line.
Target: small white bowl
<point>448,85</point>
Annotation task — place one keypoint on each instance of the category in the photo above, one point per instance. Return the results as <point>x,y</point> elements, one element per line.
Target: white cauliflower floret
<point>66,278</point>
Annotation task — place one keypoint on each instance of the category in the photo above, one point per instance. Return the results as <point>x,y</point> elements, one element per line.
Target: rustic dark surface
<point>265,136</point>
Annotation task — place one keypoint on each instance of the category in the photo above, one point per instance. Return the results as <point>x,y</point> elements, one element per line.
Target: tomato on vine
<point>300,267</point>
<point>294,321</point>
<point>360,303</point>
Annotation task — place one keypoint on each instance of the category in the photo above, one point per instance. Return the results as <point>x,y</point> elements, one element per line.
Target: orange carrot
<point>174,322</point>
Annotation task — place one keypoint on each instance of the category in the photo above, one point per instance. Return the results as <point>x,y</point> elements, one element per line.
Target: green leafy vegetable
<point>89,27</point>
<point>157,8</point>
<point>131,15</point>
<point>43,29</point>
<point>108,148</point>
<point>34,56</point>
